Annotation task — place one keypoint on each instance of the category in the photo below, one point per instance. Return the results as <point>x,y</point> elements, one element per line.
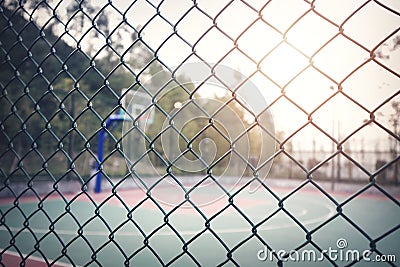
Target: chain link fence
<point>176,98</point>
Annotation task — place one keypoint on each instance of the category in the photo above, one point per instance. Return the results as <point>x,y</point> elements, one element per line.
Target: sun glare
<point>297,61</point>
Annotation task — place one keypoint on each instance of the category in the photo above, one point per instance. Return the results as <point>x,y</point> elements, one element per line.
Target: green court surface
<point>74,231</point>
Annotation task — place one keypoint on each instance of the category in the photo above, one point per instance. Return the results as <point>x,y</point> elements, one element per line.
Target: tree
<point>39,74</point>
<point>394,119</point>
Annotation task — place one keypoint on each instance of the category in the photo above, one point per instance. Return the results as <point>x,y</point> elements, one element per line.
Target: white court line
<point>187,232</point>
<point>35,258</point>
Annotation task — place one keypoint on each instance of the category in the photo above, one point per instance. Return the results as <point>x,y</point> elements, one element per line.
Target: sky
<point>283,46</point>
<point>370,85</point>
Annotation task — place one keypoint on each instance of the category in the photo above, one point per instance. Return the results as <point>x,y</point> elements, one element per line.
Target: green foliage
<point>50,93</point>
<point>55,95</point>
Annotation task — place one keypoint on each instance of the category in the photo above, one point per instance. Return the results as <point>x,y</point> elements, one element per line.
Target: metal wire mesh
<point>64,63</point>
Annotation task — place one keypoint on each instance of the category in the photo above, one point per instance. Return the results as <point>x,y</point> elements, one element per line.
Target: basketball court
<point>130,226</point>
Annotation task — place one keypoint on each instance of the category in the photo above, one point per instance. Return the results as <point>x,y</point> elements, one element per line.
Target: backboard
<point>137,105</point>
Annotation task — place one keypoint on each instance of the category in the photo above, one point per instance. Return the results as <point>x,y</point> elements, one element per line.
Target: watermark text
<point>339,253</point>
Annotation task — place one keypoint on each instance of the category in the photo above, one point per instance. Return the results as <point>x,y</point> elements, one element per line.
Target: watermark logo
<point>341,243</point>
<point>339,253</point>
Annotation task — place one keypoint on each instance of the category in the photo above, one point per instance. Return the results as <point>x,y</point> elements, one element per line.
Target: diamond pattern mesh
<point>328,70</point>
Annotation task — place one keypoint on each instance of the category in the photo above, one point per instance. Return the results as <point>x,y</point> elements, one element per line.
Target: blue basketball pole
<point>100,148</point>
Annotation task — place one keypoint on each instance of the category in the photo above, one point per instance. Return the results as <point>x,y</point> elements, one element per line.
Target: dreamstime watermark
<point>339,253</point>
